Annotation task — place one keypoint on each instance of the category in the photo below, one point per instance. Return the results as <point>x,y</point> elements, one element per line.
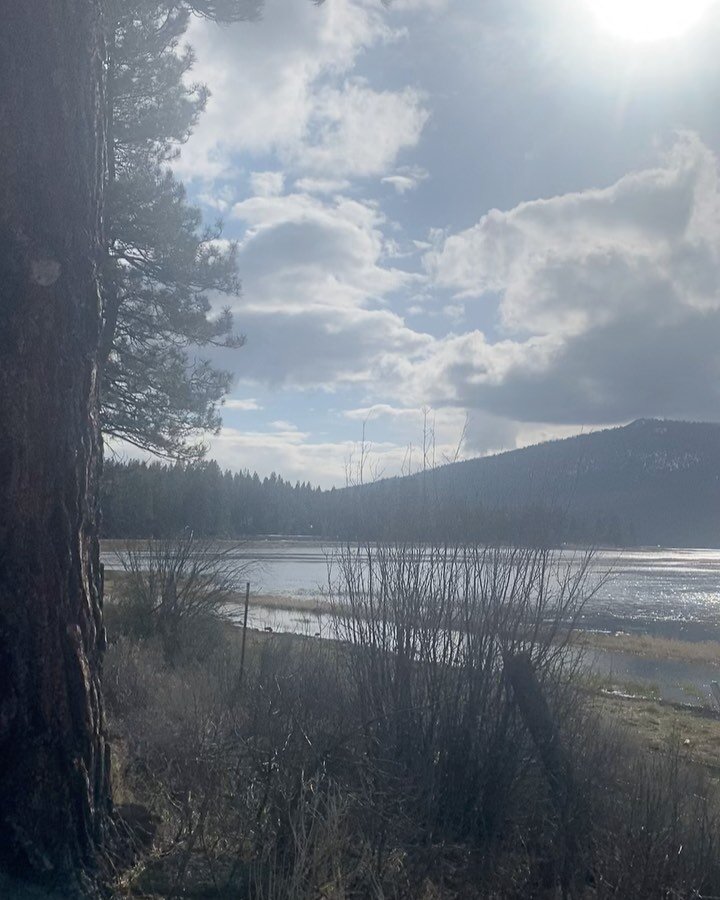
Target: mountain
<point>647,483</point>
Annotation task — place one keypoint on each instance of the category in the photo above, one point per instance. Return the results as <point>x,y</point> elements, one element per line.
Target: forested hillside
<point>159,500</point>
<point>649,482</point>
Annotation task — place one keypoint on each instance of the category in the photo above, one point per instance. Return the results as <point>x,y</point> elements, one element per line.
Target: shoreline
<point>646,646</point>
<point>317,605</point>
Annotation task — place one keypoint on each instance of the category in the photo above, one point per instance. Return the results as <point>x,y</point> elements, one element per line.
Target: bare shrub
<point>178,589</point>
<point>429,630</point>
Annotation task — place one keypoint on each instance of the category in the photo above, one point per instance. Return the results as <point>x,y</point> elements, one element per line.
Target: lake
<point>669,592</point>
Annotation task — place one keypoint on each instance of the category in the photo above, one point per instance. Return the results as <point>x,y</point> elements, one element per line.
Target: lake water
<point>672,593</point>
<point>675,593</point>
<point>669,592</point>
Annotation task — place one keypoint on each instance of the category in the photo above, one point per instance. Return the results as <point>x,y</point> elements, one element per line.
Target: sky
<point>473,225</point>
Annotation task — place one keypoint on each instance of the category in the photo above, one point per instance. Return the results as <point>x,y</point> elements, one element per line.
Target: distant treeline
<point>141,500</point>
<point>144,500</point>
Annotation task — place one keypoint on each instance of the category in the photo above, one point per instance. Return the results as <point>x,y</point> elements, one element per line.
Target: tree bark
<point>54,760</point>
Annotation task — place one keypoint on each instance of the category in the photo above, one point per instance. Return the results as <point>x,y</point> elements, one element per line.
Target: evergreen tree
<point>54,764</point>
<point>158,393</point>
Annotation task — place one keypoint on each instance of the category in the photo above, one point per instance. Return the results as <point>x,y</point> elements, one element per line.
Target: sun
<point>649,20</point>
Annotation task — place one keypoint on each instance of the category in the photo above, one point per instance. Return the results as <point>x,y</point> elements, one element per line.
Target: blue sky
<point>496,221</point>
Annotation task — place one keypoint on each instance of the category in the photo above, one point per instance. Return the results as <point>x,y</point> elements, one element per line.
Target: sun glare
<point>649,20</point>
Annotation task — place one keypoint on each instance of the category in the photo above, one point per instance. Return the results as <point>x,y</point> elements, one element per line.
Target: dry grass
<point>115,580</point>
<point>317,605</point>
<point>274,796</point>
<point>396,764</point>
<point>651,647</point>
<point>659,726</point>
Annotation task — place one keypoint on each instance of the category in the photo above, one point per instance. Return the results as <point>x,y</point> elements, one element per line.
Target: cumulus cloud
<point>486,433</point>
<point>609,300</point>
<point>267,184</point>
<point>382,410</point>
<point>324,347</point>
<point>322,185</point>
<point>248,405</point>
<point>594,306</point>
<point>295,455</point>
<point>434,6</point>
<point>316,284</point>
<point>282,86</point>
<point>355,130</point>
<point>304,252</point>
<point>608,306</point>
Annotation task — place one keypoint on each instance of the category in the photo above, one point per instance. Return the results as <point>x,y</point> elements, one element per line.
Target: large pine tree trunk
<point>54,784</point>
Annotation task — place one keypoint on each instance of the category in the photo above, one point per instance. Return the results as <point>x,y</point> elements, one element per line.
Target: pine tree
<point>158,392</point>
<point>54,770</point>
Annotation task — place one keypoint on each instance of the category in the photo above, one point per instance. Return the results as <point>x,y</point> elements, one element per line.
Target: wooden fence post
<point>244,634</point>
<point>537,717</point>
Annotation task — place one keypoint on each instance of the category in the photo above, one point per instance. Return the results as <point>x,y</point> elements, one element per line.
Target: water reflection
<point>672,592</point>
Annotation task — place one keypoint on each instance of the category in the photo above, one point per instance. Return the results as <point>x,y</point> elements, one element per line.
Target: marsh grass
<point>651,646</point>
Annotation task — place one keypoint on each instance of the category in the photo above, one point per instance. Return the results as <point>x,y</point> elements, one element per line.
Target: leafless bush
<point>178,589</point>
<point>429,629</point>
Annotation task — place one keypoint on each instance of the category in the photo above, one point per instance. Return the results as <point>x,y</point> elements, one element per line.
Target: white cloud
<point>242,405</point>
<point>381,410</point>
<point>407,178</point>
<point>280,86</point>
<point>401,183</point>
<point>429,436</point>
<point>433,6</point>
<point>322,185</point>
<point>325,347</point>
<point>355,130</point>
<point>609,301</point>
<point>300,455</point>
<point>454,311</point>
<point>293,455</point>
<point>486,433</point>
<point>300,252</point>
<point>267,184</point>
<point>598,305</point>
<point>316,284</point>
